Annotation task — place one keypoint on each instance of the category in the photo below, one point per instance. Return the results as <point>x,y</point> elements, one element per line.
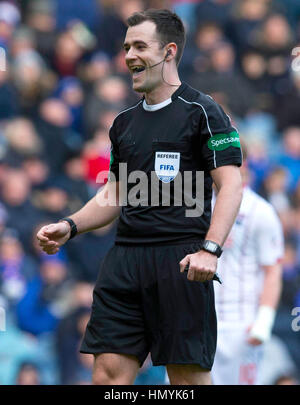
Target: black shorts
<point>142,303</point>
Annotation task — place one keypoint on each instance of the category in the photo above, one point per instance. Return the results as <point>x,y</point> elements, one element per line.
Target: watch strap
<point>212,247</point>
<point>72,226</point>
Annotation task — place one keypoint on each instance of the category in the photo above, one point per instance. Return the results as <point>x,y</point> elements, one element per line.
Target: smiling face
<point>143,49</point>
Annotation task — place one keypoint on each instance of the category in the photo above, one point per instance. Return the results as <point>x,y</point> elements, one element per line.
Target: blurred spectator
<point>157,4</point>
<point>290,155</point>
<point>9,18</point>
<point>3,219</point>
<point>28,374</point>
<point>291,8</point>
<point>73,367</point>
<point>290,275</point>
<point>223,81</point>
<point>40,17</point>
<point>22,141</point>
<point>258,161</point>
<point>75,178</point>
<point>246,17</point>
<point>70,91</point>
<point>274,189</point>
<point>97,68</point>
<point>286,380</point>
<point>47,297</point>
<point>208,35</point>
<point>52,199</point>
<point>186,10</point>
<point>285,107</point>
<point>214,10</point>
<point>15,194</point>
<point>96,156</point>
<point>110,93</point>
<point>274,40</point>
<point>16,267</point>
<point>112,28</point>
<point>36,170</point>
<point>297,232</point>
<point>53,125</point>
<point>87,11</point>
<point>23,40</point>
<point>254,70</point>
<point>9,107</point>
<point>277,361</point>
<point>295,198</point>
<point>16,348</point>
<point>197,54</point>
<point>32,79</point>
<point>68,51</point>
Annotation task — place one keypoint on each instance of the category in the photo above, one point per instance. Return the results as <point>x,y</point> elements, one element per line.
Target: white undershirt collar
<point>155,107</point>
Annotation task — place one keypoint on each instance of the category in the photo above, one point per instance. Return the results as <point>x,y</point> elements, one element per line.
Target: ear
<point>171,51</point>
<point>167,54</point>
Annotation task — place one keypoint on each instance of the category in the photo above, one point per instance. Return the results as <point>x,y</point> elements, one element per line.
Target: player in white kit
<point>246,301</point>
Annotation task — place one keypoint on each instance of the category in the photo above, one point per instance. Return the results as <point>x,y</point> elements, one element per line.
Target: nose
<point>130,55</point>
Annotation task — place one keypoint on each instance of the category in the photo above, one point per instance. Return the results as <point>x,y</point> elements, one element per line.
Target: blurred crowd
<point>63,79</point>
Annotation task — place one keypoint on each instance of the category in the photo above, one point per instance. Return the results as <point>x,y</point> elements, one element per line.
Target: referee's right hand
<point>51,237</point>
<point>202,266</point>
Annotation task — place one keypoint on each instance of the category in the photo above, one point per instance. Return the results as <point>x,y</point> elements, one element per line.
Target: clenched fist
<point>202,266</point>
<point>51,237</point>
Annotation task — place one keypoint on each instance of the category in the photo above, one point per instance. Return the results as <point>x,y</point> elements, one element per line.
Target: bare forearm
<point>271,291</point>
<point>262,327</point>
<point>97,212</point>
<point>225,211</point>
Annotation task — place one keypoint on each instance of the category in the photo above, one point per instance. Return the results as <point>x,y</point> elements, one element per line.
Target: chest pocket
<point>169,159</point>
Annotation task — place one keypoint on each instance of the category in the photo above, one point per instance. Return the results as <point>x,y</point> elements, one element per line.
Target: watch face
<point>211,246</point>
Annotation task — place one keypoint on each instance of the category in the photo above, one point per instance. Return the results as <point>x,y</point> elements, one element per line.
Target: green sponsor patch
<point>223,141</point>
<point>111,159</point>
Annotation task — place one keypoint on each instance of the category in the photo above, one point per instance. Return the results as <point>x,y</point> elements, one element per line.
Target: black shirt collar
<point>177,93</point>
<point>180,90</point>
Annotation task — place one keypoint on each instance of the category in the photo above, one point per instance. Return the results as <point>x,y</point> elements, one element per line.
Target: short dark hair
<point>169,27</point>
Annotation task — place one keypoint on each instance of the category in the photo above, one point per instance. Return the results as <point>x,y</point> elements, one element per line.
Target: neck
<point>163,91</point>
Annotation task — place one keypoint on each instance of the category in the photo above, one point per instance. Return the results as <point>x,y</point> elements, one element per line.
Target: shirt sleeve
<point>114,156</point>
<point>220,140</point>
<point>269,238</point>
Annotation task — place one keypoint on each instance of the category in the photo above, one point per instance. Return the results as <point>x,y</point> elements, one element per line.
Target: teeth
<point>136,68</point>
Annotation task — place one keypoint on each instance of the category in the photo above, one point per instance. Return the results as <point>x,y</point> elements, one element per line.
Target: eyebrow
<point>135,43</point>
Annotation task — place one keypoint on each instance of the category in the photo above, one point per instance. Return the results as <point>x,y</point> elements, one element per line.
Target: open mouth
<point>136,70</point>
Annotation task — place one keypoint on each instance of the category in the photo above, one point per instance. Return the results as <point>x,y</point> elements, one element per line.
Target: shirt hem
<point>160,243</point>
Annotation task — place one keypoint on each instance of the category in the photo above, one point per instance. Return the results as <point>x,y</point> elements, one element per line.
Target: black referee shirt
<point>190,132</point>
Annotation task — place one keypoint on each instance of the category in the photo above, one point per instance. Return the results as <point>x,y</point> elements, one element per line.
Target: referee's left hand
<point>202,266</point>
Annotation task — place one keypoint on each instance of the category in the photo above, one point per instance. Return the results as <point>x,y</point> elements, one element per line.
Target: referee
<point>143,300</point>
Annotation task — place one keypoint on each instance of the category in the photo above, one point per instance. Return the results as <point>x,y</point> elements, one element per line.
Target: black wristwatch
<point>212,247</point>
<point>72,225</point>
